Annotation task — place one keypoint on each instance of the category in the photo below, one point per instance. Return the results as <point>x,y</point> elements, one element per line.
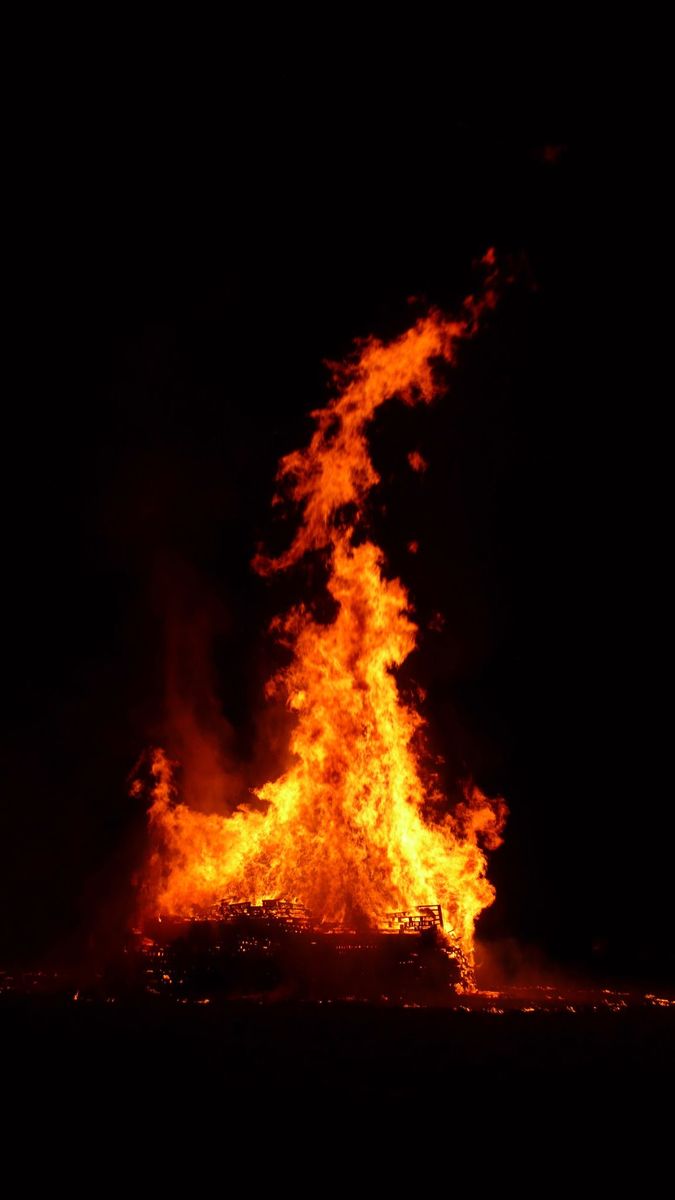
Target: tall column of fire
<point>346,830</point>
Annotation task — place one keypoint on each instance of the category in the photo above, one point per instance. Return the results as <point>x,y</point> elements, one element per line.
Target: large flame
<point>347,829</point>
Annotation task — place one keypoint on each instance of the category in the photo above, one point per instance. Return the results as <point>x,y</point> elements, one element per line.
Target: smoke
<point>220,761</point>
<point>196,730</point>
<point>509,963</point>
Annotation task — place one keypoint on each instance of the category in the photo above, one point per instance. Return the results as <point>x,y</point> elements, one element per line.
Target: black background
<point>182,261</point>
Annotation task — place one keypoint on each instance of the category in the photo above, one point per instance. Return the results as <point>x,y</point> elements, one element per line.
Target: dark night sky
<point>178,275</point>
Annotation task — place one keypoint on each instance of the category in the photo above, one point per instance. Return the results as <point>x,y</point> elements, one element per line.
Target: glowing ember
<point>416,461</point>
<point>351,830</point>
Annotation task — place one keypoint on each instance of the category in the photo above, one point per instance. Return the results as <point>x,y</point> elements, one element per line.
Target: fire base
<point>273,951</point>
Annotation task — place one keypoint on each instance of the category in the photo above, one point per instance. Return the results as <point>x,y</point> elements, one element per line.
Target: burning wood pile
<point>275,949</point>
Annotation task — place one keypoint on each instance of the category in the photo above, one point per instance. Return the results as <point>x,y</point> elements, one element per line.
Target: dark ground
<point>184,1077</point>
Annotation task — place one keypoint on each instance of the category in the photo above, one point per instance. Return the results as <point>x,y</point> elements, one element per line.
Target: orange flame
<point>347,830</point>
